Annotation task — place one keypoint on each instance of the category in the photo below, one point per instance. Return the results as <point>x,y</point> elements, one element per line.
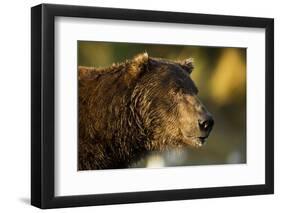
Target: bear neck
<point>110,133</point>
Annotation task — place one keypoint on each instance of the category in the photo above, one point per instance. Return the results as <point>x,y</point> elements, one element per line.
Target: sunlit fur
<point>126,110</point>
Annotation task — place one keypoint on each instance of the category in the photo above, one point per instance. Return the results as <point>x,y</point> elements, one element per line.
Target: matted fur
<point>134,107</point>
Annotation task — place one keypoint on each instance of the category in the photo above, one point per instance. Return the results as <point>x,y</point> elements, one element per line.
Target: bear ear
<point>138,64</point>
<point>187,65</point>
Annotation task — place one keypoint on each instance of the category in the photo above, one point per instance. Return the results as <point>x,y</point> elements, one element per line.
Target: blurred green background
<point>220,75</point>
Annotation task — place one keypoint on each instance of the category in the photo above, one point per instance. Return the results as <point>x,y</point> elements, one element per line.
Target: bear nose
<point>206,124</point>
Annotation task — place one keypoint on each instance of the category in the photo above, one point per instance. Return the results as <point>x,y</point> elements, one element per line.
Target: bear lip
<point>198,144</point>
<point>194,141</point>
<point>202,139</point>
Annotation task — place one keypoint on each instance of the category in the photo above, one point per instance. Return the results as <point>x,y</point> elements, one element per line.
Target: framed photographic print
<point>139,106</point>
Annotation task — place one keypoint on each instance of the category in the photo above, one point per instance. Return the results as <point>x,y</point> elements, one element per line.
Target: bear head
<point>165,103</point>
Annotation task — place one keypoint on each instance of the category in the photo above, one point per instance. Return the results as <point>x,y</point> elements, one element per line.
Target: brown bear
<point>144,104</point>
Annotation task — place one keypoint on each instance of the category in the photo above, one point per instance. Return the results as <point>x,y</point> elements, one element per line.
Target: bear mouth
<point>196,142</point>
<point>200,141</point>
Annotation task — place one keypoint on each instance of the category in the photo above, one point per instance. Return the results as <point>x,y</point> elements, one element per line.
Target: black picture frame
<point>43,117</point>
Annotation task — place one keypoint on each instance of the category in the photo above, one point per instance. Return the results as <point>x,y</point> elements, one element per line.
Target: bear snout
<point>206,124</point>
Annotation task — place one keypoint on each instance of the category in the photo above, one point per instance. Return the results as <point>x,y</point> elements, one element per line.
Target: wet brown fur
<point>129,109</point>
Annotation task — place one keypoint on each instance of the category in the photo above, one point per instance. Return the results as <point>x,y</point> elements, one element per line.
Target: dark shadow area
<point>25,200</point>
